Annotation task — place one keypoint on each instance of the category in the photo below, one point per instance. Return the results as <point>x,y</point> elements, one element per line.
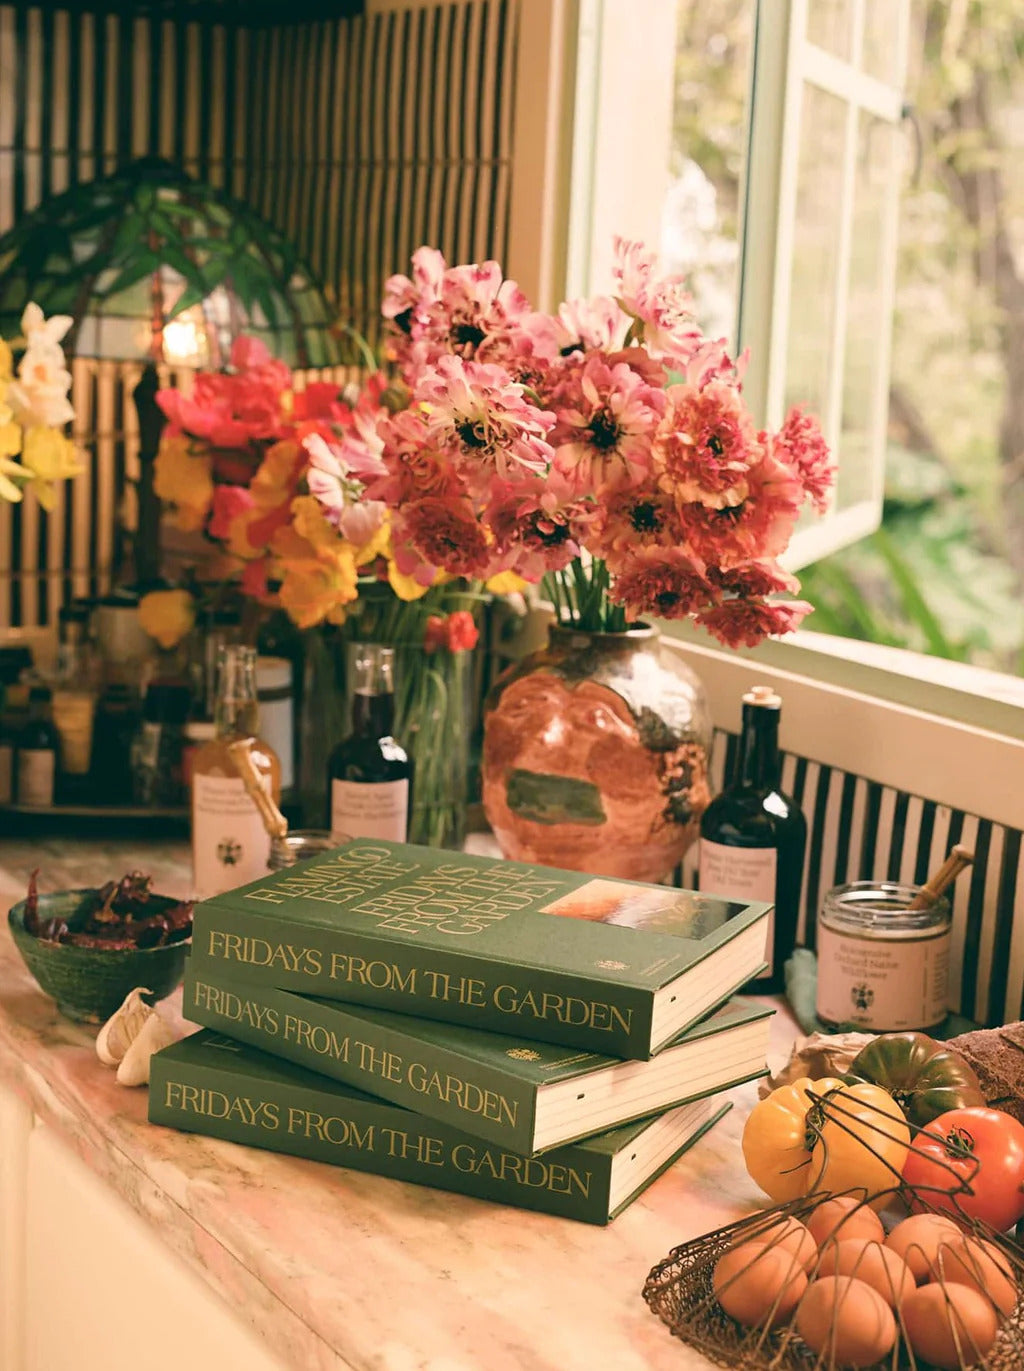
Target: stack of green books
<point>539,1037</point>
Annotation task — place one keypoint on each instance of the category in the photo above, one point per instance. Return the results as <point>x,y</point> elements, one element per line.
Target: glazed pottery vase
<point>595,755</point>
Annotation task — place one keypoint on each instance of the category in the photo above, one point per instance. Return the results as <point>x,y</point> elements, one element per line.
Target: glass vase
<point>595,755</point>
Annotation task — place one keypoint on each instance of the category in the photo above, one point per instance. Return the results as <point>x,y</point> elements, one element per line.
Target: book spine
<point>384,1061</point>
<point>454,986</point>
<point>374,1136</point>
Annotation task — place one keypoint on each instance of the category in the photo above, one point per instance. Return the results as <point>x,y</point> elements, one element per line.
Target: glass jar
<point>300,844</point>
<point>882,966</point>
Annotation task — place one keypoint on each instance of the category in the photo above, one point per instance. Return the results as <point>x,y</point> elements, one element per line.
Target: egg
<point>756,1284</point>
<point>980,1266</point>
<point>871,1262</point>
<point>846,1322</point>
<point>918,1238</point>
<point>950,1326</point>
<point>844,1217</point>
<point>791,1235</point>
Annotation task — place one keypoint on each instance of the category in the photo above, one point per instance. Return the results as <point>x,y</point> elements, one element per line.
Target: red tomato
<point>970,1162</point>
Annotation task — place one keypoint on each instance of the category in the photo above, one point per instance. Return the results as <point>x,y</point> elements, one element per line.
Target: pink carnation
<point>801,443</point>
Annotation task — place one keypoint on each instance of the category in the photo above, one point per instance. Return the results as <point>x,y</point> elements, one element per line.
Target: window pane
<point>829,26</point>
<point>881,55</point>
<point>877,150</point>
<point>815,251</point>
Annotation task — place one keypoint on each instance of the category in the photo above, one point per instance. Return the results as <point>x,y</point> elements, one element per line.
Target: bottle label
<point>36,770</point>
<point>883,984</point>
<point>742,873</point>
<point>230,846</point>
<point>6,773</point>
<point>371,809</point>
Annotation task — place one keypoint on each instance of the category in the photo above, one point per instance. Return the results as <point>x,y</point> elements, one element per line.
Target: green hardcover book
<point>610,966</point>
<point>214,1085</point>
<point>522,1094</point>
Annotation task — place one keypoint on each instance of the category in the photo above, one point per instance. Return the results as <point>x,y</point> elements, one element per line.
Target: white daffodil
<point>40,331</point>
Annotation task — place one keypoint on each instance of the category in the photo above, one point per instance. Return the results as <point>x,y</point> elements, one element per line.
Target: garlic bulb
<point>154,1034</point>
<point>125,1024</point>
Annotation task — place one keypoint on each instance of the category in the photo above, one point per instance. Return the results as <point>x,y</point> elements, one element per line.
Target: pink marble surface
<point>337,1269</point>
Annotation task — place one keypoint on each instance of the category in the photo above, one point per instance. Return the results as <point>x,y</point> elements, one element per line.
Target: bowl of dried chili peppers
<point>88,948</point>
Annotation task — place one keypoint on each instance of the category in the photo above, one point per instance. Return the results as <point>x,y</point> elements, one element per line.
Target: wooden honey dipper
<point>958,859</point>
<point>273,820</point>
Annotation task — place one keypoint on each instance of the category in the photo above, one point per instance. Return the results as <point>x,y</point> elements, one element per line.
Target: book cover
<point>214,1085</point>
<point>611,966</point>
<point>522,1094</point>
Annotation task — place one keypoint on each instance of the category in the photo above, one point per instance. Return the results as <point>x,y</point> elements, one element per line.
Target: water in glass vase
<point>369,773</point>
<point>752,836</point>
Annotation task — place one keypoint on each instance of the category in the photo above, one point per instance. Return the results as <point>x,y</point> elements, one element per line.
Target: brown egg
<point>950,1326</point>
<point>756,1284</point>
<point>871,1262</point>
<point>791,1235</point>
<point>917,1239</point>
<point>844,1217</point>
<point>980,1266</point>
<point>845,1321</point>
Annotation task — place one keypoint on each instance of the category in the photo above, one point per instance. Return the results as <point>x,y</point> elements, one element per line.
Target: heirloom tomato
<point>925,1078</point>
<point>825,1135</point>
<point>970,1163</point>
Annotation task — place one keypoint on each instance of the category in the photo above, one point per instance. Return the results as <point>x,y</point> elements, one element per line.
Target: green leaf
<point>143,264</point>
<point>191,295</point>
<point>916,606</point>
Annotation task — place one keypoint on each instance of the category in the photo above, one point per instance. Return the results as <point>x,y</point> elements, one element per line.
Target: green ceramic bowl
<point>89,983</point>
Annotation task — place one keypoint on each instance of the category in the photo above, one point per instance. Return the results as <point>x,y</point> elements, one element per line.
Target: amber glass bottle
<point>230,844</point>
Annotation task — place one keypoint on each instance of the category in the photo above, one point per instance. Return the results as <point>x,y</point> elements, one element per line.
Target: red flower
<point>745,623</point>
<point>447,534</point>
<point>455,632</point>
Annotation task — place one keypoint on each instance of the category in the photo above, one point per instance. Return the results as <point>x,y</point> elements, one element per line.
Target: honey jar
<point>883,966</point>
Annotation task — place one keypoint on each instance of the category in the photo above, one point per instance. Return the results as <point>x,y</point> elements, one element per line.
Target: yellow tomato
<point>810,1136</point>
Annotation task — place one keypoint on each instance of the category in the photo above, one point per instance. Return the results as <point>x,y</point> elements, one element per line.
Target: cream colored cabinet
<point>86,1284</point>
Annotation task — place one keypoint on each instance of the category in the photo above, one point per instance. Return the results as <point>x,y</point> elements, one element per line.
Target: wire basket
<point>680,1289</point>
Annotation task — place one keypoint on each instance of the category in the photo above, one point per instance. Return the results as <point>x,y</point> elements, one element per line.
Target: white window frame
<point>785,64</point>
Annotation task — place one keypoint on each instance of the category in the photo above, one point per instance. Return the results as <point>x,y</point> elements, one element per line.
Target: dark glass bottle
<point>752,836</point>
<point>369,773</point>
<point>38,749</point>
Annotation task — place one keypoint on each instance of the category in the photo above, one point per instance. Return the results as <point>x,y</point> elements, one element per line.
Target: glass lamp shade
<point>152,264</point>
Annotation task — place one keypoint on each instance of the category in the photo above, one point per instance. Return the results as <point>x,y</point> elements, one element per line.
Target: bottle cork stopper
<point>763,695</point>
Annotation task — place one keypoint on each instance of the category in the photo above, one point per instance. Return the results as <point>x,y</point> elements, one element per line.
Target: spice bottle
<point>38,748</point>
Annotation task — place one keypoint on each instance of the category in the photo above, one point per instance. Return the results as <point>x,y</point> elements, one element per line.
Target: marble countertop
<point>336,1269</point>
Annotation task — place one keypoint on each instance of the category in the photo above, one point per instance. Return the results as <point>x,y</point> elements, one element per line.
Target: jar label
<point>742,873</point>
<point>370,809</point>
<point>230,845</point>
<point>36,770</point>
<point>882,984</point>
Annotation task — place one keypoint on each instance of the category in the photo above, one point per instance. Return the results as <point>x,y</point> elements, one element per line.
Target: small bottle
<point>369,773</point>
<point>38,748</point>
<point>230,845</point>
<point>752,836</point>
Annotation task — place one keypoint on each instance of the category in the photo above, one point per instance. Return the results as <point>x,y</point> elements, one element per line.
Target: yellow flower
<point>378,546</point>
<point>309,522</point>
<point>167,616</point>
<point>49,456</point>
<point>6,361</point>
<point>10,432</point>
<point>8,490</point>
<point>505,583</point>
<point>405,587</point>
<point>315,589</point>
<point>182,477</point>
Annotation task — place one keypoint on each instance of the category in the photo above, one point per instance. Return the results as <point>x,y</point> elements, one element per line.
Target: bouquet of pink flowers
<point>605,449</point>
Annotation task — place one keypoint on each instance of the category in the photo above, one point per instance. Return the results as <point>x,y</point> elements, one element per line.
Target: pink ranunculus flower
<point>706,445</point>
<point>754,579</point>
<point>747,622</point>
<point>630,518</point>
<point>475,410</point>
<point>668,583</point>
<point>662,304</point>
<point>606,420</point>
<point>447,534</point>
<point>538,523</point>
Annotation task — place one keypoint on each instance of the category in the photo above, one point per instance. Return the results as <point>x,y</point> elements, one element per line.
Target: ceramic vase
<point>595,755</point>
